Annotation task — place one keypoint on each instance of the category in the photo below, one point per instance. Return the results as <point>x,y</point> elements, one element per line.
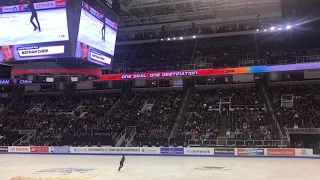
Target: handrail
<point>23,138</point>
<point>305,59</point>
<point>273,116</point>
<point>129,139</point>
<point>123,133</point>
<point>287,133</point>
<point>179,115</point>
<point>234,142</point>
<point>303,130</point>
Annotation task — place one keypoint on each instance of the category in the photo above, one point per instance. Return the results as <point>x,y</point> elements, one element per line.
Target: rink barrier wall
<point>161,151</point>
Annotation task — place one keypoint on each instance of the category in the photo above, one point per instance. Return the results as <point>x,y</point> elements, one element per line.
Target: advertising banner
<point>250,152</point>
<point>281,152</point>
<point>199,151</point>
<point>19,149</point>
<point>39,149</point>
<point>57,149</point>
<point>106,150</point>
<point>3,149</point>
<point>224,151</point>
<point>6,81</point>
<point>171,151</point>
<point>211,72</point>
<point>304,152</point>
<point>150,150</point>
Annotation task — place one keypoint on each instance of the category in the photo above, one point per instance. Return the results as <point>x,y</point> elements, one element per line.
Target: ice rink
<point>16,28</point>
<point>83,167</point>
<point>90,33</point>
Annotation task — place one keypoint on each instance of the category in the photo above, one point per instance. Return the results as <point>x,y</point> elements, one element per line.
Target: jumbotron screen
<point>33,29</point>
<point>97,33</point>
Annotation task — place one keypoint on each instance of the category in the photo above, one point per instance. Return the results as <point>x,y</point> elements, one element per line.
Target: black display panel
<point>33,29</point>
<point>97,33</point>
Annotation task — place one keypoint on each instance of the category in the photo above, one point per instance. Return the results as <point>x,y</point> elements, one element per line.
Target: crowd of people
<point>202,119</point>
<point>162,55</point>
<point>304,111</point>
<point>243,111</point>
<point>57,116</point>
<point>218,53</point>
<point>83,118</point>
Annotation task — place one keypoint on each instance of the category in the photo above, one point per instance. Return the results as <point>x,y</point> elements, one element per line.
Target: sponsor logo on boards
<point>281,152</point>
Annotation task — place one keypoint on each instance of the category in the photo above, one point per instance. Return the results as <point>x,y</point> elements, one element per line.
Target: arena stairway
<point>223,125</point>
<point>184,106</point>
<point>267,97</point>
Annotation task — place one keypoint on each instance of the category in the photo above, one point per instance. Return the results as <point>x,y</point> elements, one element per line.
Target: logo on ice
<point>212,168</point>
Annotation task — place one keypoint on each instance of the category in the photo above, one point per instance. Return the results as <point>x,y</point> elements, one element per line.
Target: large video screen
<point>97,34</point>
<point>33,29</point>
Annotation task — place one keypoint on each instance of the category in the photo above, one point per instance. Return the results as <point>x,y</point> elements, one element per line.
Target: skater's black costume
<point>34,15</point>
<point>103,30</point>
<point>121,162</point>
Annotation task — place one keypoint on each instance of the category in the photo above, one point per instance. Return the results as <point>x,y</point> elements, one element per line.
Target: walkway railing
<point>303,130</point>
<point>307,59</point>
<point>234,142</point>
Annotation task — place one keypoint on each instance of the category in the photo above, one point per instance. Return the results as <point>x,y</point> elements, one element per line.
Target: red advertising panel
<point>39,149</point>
<point>281,152</point>
<point>171,74</point>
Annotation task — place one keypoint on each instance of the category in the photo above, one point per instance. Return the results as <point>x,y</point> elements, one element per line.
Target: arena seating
<point>219,53</point>
<point>245,120</point>
<point>202,120</point>
<point>159,55</point>
<point>152,112</point>
<point>304,112</point>
<point>51,116</point>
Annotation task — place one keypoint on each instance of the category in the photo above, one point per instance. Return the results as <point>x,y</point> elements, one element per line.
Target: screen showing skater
<point>97,33</point>
<point>33,29</point>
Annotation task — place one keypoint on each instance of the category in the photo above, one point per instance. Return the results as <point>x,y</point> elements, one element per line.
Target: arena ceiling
<point>144,12</point>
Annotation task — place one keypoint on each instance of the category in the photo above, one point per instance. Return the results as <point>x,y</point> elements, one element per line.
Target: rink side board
<point>164,151</point>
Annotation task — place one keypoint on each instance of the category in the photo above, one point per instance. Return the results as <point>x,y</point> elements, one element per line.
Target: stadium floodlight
<point>168,39</point>
<point>272,28</point>
<point>194,36</point>
<point>161,39</point>
<point>174,38</point>
<point>288,27</point>
<point>265,30</point>
<point>181,38</point>
<point>279,28</point>
<point>258,30</point>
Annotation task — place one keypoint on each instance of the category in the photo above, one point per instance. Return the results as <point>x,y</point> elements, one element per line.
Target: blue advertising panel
<point>97,34</point>
<point>57,149</point>
<point>33,30</point>
<point>171,151</point>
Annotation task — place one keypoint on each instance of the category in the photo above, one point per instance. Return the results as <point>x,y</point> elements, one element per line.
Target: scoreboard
<point>58,28</point>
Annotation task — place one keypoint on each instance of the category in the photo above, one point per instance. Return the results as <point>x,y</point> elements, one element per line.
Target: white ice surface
<point>157,168</point>
<point>90,33</point>
<point>16,28</point>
